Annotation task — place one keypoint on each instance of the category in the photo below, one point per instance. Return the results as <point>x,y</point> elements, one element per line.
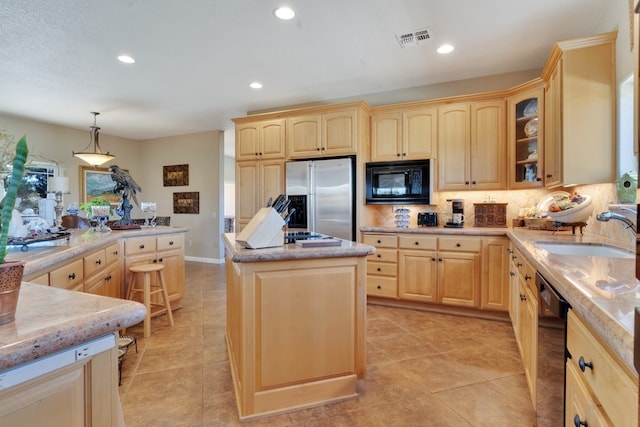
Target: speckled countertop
<point>603,290</point>
<point>292,251</point>
<point>81,242</point>
<point>49,319</point>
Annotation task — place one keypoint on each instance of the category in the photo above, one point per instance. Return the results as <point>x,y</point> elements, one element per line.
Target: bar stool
<point>146,290</point>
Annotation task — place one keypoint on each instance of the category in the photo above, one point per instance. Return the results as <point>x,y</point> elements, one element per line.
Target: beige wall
<point>144,160</point>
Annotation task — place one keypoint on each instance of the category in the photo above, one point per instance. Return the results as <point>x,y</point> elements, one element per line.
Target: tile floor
<point>424,369</point>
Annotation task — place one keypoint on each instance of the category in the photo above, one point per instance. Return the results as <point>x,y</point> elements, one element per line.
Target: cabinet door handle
<point>398,154</point>
<point>440,259</point>
<point>458,245</point>
<point>99,262</point>
<point>115,252</point>
<point>474,182</point>
<point>511,273</point>
<point>518,264</point>
<point>171,243</point>
<point>416,243</point>
<point>318,149</point>
<point>160,260</point>
<point>509,250</point>
<point>379,269</point>
<point>584,365</point>
<point>379,287</point>
<point>549,176</point>
<point>523,297</point>
<point>141,246</point>
<point>527,277</point>
<point>466,182</point>
<point>433,258</point>
<point>72,276</point>
<point>154,261</point>
<point>578,422</point>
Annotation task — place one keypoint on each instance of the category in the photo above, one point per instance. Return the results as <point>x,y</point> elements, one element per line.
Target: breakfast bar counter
<point>296,325</point>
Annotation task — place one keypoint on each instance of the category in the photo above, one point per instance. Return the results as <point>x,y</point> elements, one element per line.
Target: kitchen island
<point>296,325</point>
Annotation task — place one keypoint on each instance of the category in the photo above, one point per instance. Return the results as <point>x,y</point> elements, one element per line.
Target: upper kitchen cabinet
<point>256,182</point>
<point>472,151</point>
<point>403,135</point>
<point>526,136</point>
<point>580,97</point>
<point>327,131</point>
<point>259,140</point>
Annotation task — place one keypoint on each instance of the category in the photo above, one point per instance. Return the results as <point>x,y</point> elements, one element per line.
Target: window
<point>34,183</point>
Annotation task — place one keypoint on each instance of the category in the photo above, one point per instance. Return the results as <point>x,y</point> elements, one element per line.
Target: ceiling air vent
<point>414,38</point>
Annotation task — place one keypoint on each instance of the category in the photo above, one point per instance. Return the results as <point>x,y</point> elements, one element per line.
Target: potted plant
<point>11,272</point>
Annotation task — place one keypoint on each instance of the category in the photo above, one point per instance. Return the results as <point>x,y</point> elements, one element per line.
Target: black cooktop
<point>294,236</point>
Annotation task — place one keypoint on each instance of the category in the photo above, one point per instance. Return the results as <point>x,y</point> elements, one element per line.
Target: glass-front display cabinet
<point>526,137</point>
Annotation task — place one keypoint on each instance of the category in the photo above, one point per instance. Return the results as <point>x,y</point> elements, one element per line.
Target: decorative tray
<point>47,239</point>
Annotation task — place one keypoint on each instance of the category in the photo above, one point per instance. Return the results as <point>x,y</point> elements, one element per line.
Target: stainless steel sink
<point>585,249</point>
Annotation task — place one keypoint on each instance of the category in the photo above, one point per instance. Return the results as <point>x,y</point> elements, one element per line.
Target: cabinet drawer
<point>611,383</point>
<point>381,240</point>
<point>94,262</point>
<point>460,244</point>
<point>139,246</point>
<point>383,255</point>
<point>170,242</point>
<point>415,241</point>
<point>112,253</point>
<point>382,286</point>
<point>68,276</point>
<point>382,268</point>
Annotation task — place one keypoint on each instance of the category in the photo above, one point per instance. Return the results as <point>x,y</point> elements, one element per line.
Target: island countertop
<point>292,251</point>
<point>49,320</point>
<point>81,241</point>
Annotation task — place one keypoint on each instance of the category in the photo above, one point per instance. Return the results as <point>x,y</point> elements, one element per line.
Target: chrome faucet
<point>606,216</point>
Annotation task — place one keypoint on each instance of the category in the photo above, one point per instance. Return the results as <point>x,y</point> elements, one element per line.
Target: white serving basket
<point>579,213</point>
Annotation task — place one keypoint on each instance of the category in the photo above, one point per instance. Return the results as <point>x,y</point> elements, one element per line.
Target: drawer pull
<point>141,246</point>
<point>578,422</point>
<point>523,297</point>
<point>512,274</point>
<point>379,241</point>
<point>416,243</point>
<point>72,276</point>
<point>519,264</point>
<point>160,260</point>
<point>440,259</point>
<point>379,269</point>
<point>433,258</point>
<point>379,287</point>
<point>115,252</point>
<point>458,245</point>
<point>154,261</point>
<point>379,256</point>
<point>171,243</point>
<point>99,262</point>
<point>584,365</point>
<point>527,277</point>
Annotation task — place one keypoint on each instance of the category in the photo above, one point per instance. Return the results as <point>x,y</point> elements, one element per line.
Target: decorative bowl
<point>579,213</point>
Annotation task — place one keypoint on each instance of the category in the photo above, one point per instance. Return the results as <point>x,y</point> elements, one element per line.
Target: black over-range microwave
<point>398,183</point>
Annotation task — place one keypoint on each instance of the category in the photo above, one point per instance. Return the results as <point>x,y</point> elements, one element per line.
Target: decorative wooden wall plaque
<point>175,175</point>
<point>186,203</point>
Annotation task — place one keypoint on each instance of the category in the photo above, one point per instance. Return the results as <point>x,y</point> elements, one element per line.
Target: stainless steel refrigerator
<point>323,194</point>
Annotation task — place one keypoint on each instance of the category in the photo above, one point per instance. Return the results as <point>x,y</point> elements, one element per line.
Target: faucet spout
<point>606,216</point>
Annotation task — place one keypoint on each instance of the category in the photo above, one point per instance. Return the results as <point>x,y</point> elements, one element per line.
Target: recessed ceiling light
<point>255,85</point>
<point>284,12</point>
<point>126,59</point>
<point>445,48</point>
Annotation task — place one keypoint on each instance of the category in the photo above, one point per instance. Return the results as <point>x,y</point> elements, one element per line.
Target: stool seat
<point>148,289</point>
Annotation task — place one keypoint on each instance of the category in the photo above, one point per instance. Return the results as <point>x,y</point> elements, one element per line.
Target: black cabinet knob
<point>141,246</point>
<point>171,243</point>
<point>584,365</point>
<point>72,276</point>
<point>578,422</point>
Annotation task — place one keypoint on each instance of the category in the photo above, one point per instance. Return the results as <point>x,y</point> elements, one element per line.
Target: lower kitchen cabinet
<point>83,393</point>
<point>601,389</point>
<point>442,270</point>
<point>494,287</point>
<point>382,267</point>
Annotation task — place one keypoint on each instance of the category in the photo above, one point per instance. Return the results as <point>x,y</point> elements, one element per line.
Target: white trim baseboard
<point>204,260</point>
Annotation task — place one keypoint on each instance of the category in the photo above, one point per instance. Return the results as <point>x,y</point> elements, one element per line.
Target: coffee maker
<point>457,213</point>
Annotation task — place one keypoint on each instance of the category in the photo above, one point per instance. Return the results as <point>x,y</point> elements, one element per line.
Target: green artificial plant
<point>97,201</point>
<point>9,201</point>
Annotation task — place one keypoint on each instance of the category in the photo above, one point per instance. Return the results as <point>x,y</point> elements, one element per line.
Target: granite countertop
<point>81,242</point>
<point>466,230</point>
<point>603,290</point>
<point>50,319</point>
<point>292,251</point>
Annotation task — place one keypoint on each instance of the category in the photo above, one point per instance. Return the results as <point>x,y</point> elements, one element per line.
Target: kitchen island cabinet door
<point>418,275</point>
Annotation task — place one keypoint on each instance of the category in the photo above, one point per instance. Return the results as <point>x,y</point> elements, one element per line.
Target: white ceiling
<point>195,58</point>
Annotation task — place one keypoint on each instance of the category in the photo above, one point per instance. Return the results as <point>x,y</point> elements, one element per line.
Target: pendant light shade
<point>95,157</point>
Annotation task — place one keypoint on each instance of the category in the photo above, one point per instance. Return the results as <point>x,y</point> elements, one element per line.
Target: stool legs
<point>165,296</point>
<point>147,304</point>
<point>146,271</point>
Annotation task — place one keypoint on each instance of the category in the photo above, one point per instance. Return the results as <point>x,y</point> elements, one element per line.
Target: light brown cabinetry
<point>167,250</point>
<point>443,270</point>
<point>524,315</point>
<point>382,266</point>
<point>260,140</point>
<point>601,389</point>
<point>472,146</point>
<point>285,351</point>
<point>81,394</point>
<point>494,287</point>
<point>256,182</point>
<point>580,126</point>
<point>69,276</point>
<point>102,272</point>
<point>526,136</point>
<point>332,133</point>
<point>403,135</point>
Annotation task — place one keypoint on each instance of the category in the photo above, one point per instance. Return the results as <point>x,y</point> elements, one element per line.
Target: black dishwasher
<point>552,354</point>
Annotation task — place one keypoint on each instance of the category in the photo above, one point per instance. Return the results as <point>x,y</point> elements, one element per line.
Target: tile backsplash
<point>602,196</point>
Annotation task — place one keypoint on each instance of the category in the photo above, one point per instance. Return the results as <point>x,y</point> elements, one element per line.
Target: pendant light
<point>95,157</point>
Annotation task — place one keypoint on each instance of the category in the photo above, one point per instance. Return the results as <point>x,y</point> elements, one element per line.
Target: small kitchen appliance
<point>427,219</point>
<point>457,213</point>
